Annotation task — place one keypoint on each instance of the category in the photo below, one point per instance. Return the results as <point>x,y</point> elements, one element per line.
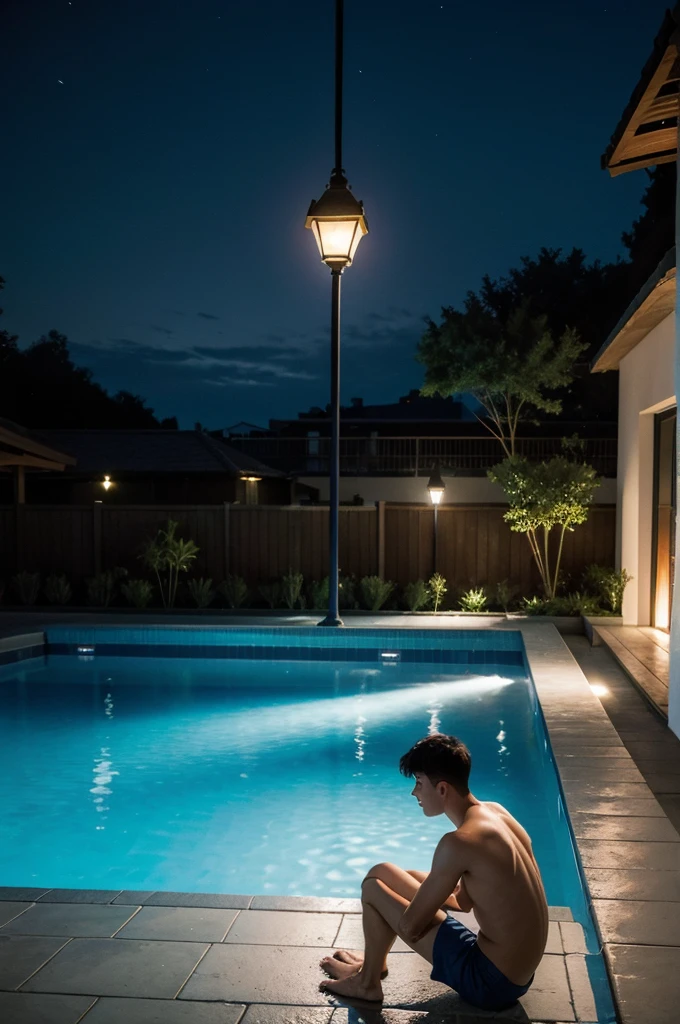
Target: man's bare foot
<point>339,968</point>
<point>346,956</point>
<point>353,989</point>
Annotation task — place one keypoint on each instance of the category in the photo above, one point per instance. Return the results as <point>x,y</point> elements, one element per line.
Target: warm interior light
<point>107,482</point>
<point>599,689</point>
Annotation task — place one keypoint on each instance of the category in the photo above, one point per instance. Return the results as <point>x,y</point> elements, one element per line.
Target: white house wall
<point>646,387</point>
<point>460,490</point>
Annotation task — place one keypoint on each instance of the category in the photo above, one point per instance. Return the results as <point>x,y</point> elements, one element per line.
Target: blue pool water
<point>253,776</point>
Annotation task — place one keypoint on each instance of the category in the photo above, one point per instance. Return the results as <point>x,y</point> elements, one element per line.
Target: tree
<point>40,386</point>
<point>542,497</point>
<point>511,363</point>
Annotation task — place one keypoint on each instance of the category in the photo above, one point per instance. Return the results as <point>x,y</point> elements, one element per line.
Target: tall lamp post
<point>338,223</point>
<point>435,486</point>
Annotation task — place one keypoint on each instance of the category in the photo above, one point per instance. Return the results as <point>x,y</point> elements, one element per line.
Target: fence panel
<point>57,538</point>
<point>125,528</point>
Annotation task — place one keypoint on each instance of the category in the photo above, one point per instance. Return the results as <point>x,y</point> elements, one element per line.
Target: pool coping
<point>596,771</point>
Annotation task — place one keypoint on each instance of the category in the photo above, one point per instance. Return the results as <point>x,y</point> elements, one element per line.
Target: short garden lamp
<point>435,486</point>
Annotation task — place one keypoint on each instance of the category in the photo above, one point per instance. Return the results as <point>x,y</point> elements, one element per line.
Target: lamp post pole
<point>339,224</point>
<point>435,487</point>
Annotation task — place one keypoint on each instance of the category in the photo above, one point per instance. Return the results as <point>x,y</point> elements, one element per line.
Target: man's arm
<point>447,867</point>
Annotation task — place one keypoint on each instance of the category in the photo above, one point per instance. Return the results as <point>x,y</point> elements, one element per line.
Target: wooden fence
<point>474,545</point>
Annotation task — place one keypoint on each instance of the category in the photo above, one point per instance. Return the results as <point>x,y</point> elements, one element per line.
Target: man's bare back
<point>500,882</point>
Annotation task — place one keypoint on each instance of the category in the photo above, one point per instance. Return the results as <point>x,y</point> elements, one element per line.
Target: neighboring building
<point>644,348</point>
<point>154,467</point>
<point>387,452</point>
<point>22,451</point>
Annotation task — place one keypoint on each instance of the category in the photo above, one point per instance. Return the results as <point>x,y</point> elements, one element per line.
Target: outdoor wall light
<point>252,479</point>
<point>338,223</point>
<point>107,482</point>
<point>435,486</point>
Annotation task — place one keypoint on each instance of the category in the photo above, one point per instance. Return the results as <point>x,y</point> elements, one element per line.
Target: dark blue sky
<point>161,155</point>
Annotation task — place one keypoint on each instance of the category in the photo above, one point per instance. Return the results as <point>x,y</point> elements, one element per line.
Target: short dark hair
<point>442,758</point>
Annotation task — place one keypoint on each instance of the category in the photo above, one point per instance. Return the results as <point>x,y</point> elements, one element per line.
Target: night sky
<point>160,156</point>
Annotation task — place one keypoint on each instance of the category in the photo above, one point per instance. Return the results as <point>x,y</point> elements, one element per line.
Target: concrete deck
<point>628,847</point>
<point>642,652</point>
<point>174,958</point>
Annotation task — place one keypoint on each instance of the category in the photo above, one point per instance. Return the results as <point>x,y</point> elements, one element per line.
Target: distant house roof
<point>652,304</point>
<point>647,133</point>
<point>21,447</point>
<point>154,452</point>
<point>411,408</point>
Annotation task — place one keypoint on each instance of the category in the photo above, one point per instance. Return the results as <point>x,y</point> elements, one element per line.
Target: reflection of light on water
<point>286,722</point>
<point>359,732</point>
<point>103,773</point>
<point>503,751</point>
<point>435,720</point>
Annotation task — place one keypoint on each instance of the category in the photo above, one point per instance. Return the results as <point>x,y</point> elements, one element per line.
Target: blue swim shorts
<point>457,961</point>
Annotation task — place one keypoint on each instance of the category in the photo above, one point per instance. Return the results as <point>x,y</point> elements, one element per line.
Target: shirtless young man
<point>486,865</point>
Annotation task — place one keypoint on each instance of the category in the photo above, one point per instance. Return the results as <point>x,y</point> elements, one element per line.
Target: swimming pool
<point>250,774</point>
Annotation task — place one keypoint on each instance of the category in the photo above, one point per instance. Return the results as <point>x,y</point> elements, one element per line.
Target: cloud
<point>161,330</point>
<point>208,316</point>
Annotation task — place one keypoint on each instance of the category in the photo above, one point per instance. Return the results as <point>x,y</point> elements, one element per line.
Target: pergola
<point>648,130</point>
<point>21,450</point>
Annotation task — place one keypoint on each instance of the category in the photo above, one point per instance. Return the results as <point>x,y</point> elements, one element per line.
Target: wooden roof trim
<point>652,305</point>
<point>25,444</point>
<point>627,150</point>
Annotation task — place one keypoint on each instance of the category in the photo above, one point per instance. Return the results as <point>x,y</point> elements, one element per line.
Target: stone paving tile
<point>472,1016</point>
<point>597,776</point>
<point>616,790</point>
<point>573,937</point>
<point>284,928</point>
<point>645,979</point>
<point>135,897</point>
<point>22,955</point>
<point>17,1008</point>
<point>581,988</point>
<point>8,911</point>
<point>670,802</point>
<point>162,1011</point>
<point>598,757</point>
<point>189,924</point>
<point>258,974</point>
<point>658,767</point>
<point>69,919</point>
<point>79,896</point>
<point>560,914</point>
<point>657,750</point>
<point>586,805</point>
<point>549,997</point>
<point>205,900</point>
<point>624,884</point>
<point>320,904</point>
<point>263,1014</point>
<point>607,826</point>
<point>662,783</point>
<point>19,895</point>
<point>597,853</point>
<point>637,922</point>
<point>113,967</point>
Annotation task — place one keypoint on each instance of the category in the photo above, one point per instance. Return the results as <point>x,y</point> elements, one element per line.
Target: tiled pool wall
<point>460,647</point>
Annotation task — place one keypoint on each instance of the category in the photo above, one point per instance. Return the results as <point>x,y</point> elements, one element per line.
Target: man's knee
<point>380,870</point>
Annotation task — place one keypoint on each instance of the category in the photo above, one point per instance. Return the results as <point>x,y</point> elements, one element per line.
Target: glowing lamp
<point>107,482</point>
<point>435,486</point>
<point>251,479</point>
<point>338,223</point>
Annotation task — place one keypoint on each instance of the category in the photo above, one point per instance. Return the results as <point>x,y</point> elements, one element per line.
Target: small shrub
<point>347,586</point>
<point>234,591</point>
<point>137,593</point>
<point>27,585</point>
<point>271,592</point>
<point>291,588</point>
<point>57,589</point>
<point>319,592</point>
<point>102,587</point>
<point>574,604</point>
<point>167,556</point>
<point>505,594</point>
<point>201,592</point>
<point>534,606</point>
<point>473,600</point>
<point>607,584</point>
<point>417,595</point>
<point>437,587</point>
<point>375,591</point>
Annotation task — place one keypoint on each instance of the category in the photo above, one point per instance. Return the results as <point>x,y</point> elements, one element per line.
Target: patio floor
<point>174,958</point>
